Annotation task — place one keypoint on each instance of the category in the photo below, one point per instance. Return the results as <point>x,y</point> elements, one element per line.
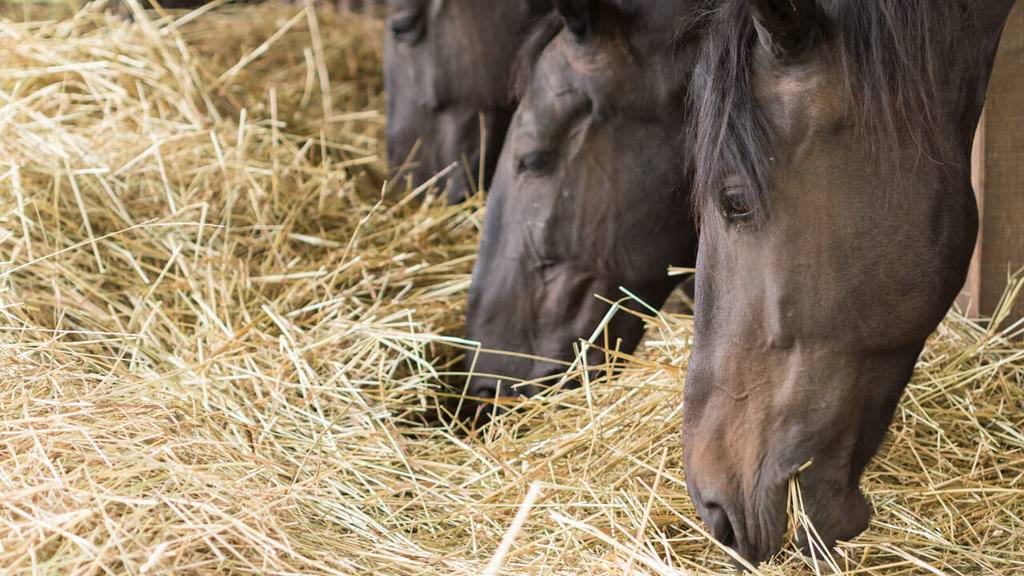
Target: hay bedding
<point>219,343</point>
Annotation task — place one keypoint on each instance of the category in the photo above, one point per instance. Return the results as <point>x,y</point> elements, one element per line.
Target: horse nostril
<point>484,390</point>
<point>478,406</point>
<point>721,528</point>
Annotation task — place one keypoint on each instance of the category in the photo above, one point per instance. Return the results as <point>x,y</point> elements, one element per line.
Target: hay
<point>221,346</point>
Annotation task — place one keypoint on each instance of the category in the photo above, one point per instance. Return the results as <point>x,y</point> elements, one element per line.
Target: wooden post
<point>998,176</point>
<point>969,300</point>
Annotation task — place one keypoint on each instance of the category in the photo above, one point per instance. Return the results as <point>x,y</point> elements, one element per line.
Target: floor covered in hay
<point>222,349</point>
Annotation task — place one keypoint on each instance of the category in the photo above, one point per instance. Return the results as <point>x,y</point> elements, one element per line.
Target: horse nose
<point>724,525</point>
<point>723,515</point>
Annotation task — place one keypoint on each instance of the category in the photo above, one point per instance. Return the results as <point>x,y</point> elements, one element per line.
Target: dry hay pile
<point>221,346</point>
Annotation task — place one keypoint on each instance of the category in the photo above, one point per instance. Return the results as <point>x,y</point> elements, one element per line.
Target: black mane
<point>540,35</point>
<point>897,58</point>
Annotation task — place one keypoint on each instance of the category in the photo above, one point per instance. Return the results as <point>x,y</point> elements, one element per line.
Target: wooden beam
<point>970,298</point>
<point>1001,251</point>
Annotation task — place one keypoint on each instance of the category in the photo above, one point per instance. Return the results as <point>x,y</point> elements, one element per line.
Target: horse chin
<point>459,186</point>
<point>833,519</point>
<point>828,515</point>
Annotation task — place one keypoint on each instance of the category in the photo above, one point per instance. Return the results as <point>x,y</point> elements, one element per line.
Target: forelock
<point>897,58</point>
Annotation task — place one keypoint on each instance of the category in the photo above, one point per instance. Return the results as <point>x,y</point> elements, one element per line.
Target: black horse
<point>591,193</point>
<point>447,65</point>
<point>832,143</point>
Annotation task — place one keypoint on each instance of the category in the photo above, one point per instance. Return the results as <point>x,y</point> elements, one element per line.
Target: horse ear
<point>786,27</point>
<point>579,15</point>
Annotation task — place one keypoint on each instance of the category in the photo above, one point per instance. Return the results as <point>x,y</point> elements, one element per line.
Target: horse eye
<point>532,162</point>
<point>737,205</point>
<point>406,27</point>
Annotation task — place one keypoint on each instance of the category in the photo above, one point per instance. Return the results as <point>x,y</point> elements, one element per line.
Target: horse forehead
<point>554,73</point>
<point>802,97</point>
